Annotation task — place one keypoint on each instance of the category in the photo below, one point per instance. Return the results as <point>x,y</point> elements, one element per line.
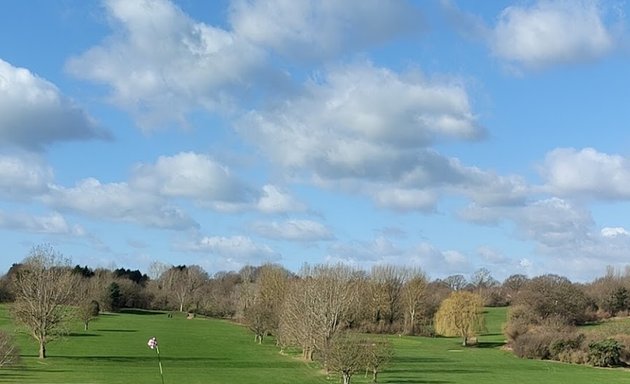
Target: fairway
<point>202,350</point>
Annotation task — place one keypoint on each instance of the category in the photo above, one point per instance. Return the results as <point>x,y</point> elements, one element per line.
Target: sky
<point>448,135</point>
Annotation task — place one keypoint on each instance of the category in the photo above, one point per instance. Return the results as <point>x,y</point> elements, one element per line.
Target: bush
<point>565,344</point>
<point>605,353</point>
<point>533,345</point>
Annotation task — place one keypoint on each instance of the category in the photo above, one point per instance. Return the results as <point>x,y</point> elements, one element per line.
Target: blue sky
<point>447,135</point>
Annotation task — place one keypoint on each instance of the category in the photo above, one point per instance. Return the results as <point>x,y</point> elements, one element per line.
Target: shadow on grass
<point>141,360</point>
<point>77,334</point>
<point>117,330</point>
<point>11,377</point>
<point>490,344</point>
<point>141,312</point>
<point>413,381</point>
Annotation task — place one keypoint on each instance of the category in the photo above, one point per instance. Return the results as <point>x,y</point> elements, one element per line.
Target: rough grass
<point>213,351</point>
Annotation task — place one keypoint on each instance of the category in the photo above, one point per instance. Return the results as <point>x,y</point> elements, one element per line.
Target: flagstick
<point>157,349</point>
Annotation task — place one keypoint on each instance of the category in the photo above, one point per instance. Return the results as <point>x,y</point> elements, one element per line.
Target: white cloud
<point>276,200</point>
<point>161,64</point>
<point>23,176</point>
<point>361,121</point>
<point>552,32</point>
<point>611,232</point>
<point>53,224</point>
<point>233,252</point>
<point>364,254</point>
<point>405,199</point>
<point>34,114</point>
<point>117,201</point>
<point>293,230</point>
<point>191,175</point>
<point>569,172</point>
<point>316,29</point>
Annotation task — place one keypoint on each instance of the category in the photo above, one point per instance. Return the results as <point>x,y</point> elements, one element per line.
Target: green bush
<point>605,353</point>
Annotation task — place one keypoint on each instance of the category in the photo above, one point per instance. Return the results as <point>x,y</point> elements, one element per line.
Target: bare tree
<point>413,295</point>
<point>346,355</point>
<point>183,282</point>
<point>378,353</point>
<point>316,306</point>
<point>87,311</point>
<point>263,300</point>
<point>387,283</point>
<point>9,352</point>
<point>456,282</point>
<point>44,289</point>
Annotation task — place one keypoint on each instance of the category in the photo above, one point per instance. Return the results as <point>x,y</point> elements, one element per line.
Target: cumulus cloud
<point>231,252</point>
<point>404,200</point>
<point>161,64</point>
<point>366,123</point>
<point>34,113</point>
<point>117,201</point>
<point>364,254</point>
<point>52,224</point>
<point>611,232</point>
<point>321,29</point>
<point>586,172</point>
<point>293,230</point>
<point>276,200</point>
<point>547,33</point>
<point>191,175</point>
<point>23,176</point>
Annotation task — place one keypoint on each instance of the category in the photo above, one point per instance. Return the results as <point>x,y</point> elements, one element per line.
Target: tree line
<point>323,310</point>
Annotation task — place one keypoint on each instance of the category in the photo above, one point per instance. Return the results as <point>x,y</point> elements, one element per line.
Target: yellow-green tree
<point>461,314</point>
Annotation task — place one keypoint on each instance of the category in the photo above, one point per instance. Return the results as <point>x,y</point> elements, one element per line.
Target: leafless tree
<point>413,297</point>
<point>45,287</point>
<point>264,300</point>
<point>182,282</point>
<point>9,351</point>
<point>316,306</point>
<point>387,282</point>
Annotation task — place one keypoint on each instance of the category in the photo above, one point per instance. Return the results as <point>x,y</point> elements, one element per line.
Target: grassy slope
<point>115,350</point>
<point>214,351</point>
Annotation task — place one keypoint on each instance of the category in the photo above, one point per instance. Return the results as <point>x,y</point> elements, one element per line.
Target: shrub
<point>533,345</point>
<point>565,344</point>
<point>605,353</point>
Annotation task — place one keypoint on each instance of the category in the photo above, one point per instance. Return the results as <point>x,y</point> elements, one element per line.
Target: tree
<point>45,287</point>
<point>183,282</point>
<point>346,355</point>
<point>316,307</point>
<point>262,304</point>
<point>412,297</point>
<point>88,310</point>
<point>114,296</point>
<point>461,314</point>
<point>456,282</point>
<point>9,352</point>
<point>387,283</point>
<point>553,296</point>
<point>378,353</point>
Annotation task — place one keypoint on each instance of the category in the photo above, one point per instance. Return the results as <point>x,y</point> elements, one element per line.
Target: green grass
<point>215,351</point>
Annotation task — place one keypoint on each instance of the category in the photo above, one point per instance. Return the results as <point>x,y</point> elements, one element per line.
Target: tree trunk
<point>465,342</point>
<point>85,326</point>
<point>374,375</point>
<point>42,350</point>
<point>346,378</point>
<point>181,306</point>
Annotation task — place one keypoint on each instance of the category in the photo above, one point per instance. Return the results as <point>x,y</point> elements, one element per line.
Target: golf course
<point>202,350</point>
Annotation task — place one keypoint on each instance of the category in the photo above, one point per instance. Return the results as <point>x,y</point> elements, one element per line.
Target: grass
<point>213,351</point>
